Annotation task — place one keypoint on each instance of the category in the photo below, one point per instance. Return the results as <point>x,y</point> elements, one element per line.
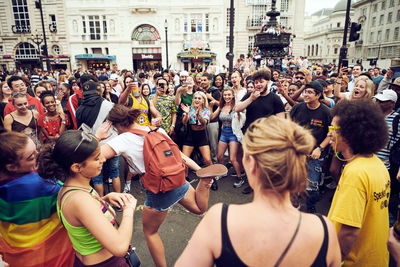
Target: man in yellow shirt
<point>359,208</point>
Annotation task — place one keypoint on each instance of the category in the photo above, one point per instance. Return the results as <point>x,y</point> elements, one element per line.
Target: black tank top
<point>228,255</point>
<point>30,130</point>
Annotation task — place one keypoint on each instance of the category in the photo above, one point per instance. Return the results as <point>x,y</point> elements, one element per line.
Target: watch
<point>321,148</point>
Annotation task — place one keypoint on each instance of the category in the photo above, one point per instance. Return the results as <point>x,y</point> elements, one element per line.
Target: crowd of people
<point>285,128</point>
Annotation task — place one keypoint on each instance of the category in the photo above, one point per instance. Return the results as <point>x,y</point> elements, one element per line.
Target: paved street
<point>180,224</point>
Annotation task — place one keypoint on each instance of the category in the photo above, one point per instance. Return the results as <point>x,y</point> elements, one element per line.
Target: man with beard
<point>316,117</point>
<point>213,96</point>
<point>260,103</point>
<point>319,74</point>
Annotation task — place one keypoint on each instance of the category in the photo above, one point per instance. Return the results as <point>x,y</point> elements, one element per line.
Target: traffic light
<point>354,32</point>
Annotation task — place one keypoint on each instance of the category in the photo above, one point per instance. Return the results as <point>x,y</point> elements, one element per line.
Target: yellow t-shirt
<point>143,118</point>
<point>361,200</point>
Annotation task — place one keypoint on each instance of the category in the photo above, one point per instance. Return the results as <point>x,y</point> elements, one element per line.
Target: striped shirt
<point>385,152</point>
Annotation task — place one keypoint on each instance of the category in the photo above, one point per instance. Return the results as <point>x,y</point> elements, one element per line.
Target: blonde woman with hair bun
<point>268,231</point>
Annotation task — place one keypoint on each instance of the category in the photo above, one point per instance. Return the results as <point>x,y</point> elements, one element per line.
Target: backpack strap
<point>138,132</point>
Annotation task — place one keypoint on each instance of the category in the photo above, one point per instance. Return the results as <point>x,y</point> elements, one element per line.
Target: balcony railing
<point>359,42</point>
<point>21,28</point>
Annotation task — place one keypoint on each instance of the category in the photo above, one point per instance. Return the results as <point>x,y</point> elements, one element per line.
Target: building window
<point>196,23</point>
<point>56,50</point>
<point>21,16</point>
<point>381,19</point>
<point>375,7</point>
<point>96,50</point>
<point>146,34</point>
<point>53,23</point>
<point>398,15</point>
<point>26,51</point>
<point>1,49</point>
<point>389,19</point>
<point>251,43</point>
<point>391,3</point>
<point>257,15</point>
<point>387,34</point>
<point>396,34</point>
<point>84,24</point>
<point>383,4</point>
<point>284,5</point>
<point>104,25</point>
<point>373,21</point>
<point>107,52</point>
<point>338,25</point>
<point>371,37</point>
<point>284,21</point>
<point>185,23</point>
<point>335,50</point>
<point>207,22</point>
<point>379,37</point>
<point>364,11</point>
<point>86,51</point>
<point>94,27</point>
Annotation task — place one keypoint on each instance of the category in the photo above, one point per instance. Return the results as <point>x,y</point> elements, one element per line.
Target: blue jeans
<point>314,169</point>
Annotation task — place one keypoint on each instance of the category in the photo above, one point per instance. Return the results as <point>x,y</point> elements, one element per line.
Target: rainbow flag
<point>31,234</point>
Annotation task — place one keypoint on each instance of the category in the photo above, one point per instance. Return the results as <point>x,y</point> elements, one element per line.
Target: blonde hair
<point>203,95</point>
<point>280,148</point>
<point>370,86</point>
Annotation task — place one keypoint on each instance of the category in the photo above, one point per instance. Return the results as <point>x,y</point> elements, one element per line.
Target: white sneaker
<point>127,189</point>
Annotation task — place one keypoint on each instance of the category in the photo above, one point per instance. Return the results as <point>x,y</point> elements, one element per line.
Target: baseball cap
<point>114,76</point>
<point>396,81</point>
<point>387,95</point>
<point>316,86</point>
<point>330,81</point>
<point>86,77</point>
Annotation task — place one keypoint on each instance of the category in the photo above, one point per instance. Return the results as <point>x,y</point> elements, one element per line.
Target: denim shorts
<point>110,170</point>
<point>227,135</point>
<point>164,201</point>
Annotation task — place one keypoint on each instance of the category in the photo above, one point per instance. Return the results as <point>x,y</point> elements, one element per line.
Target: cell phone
<point>345,63</point>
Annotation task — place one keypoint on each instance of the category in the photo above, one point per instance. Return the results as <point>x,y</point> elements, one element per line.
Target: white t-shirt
<point>130,146</point>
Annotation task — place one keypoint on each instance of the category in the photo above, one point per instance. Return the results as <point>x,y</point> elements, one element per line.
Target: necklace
<point>77,187</point>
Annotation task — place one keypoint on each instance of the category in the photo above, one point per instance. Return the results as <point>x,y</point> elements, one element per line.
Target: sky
<point>315,5</point>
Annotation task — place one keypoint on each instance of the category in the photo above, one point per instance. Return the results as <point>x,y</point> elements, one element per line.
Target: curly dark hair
<point>362,125</point>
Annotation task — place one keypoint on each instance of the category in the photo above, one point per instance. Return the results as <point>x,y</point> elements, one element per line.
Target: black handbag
<point>132,258</point>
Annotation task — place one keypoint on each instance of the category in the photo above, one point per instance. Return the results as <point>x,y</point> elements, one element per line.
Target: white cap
<point>387,95</point>
<point>114,76</point>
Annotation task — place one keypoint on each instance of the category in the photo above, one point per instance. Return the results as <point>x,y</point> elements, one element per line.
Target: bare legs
<point>195,201</point>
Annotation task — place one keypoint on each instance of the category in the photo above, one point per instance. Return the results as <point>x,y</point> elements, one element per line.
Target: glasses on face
<point>333,129</point>
<point>299,77</point>
<point>14,94</point>
<point>85,135</point>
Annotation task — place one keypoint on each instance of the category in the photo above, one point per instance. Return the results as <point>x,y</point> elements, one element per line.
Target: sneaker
<point>212,171</point>
<point>239,183</point>
<point>332,185</point>
<point>217,177</point>
<point>127,189</point>
<point>247,190</point>
<point>241,174</point>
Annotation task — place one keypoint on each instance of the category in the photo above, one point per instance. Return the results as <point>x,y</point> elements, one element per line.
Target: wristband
<point>173,125</point>
<point>321,148</point>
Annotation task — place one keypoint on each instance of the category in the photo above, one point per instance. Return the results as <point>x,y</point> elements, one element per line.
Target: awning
<point>95,56</point>
<point>199,55</point>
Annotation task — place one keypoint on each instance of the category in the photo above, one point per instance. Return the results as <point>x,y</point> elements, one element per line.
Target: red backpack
<point>162,161</point>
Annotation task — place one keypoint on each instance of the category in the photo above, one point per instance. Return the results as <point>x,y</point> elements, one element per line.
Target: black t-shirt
<point>2,106</point>
<point>216,94</point>
<point>263,106</point>
<point>316,120</point>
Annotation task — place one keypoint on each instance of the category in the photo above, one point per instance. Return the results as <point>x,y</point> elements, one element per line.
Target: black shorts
<point>196,138</point>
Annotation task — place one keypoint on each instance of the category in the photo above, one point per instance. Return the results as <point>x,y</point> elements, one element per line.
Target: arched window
<point>308,51</point>
<point>312,50</point>
<point>146,34</point>
<point>316,50</point>
<point>56,50</point>
<point>26,51</point>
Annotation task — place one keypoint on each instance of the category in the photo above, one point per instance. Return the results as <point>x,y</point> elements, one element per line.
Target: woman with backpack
<point>131,144</point>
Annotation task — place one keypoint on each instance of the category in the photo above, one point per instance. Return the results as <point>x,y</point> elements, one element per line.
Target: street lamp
<point>37,38</point>
<point>38,5</point>
<point>166,40</point>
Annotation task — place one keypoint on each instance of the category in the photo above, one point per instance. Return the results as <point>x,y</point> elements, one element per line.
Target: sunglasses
<point>333,129</point>
<point>85,135</point>
<point>299,77</point>
<point>14,94</point>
